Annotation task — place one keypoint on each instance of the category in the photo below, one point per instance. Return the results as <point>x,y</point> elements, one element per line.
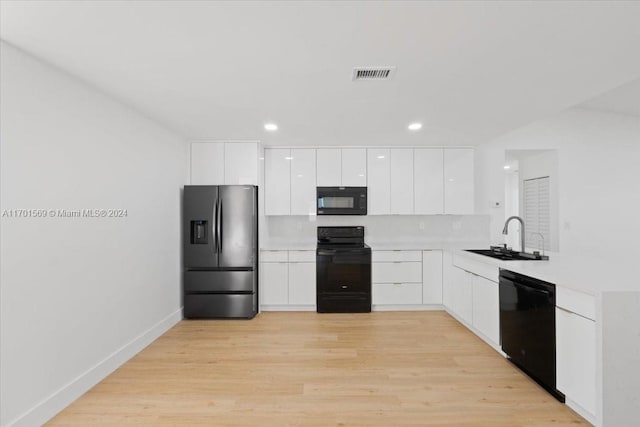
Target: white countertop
<point>590,275</point>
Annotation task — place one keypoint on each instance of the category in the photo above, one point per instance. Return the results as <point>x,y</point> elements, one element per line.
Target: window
<point>537,212</point>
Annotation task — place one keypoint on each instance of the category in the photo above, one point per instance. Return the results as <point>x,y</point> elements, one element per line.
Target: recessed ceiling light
<point>381,157</point>
<point>271,127</point>
<point>288,158</point>
<point>507,167</point>
<point>415,126</point>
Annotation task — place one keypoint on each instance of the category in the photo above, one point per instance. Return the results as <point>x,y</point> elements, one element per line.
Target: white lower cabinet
<point>288,278</point>
<point>396,293</point>
<point>396,272</point>
<point>302,283</point>
<point>461,294</point>
<point>576,359</point>
<point>471,292</point>
<point>432,277</point>
<point>396,277</point>
<point>486,308</point>
<point>274,287</point>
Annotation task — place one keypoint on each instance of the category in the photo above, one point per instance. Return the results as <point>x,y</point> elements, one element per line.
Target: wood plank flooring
<point>309,369</point>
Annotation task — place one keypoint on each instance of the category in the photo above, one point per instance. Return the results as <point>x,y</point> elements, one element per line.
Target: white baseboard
<point>407,307</point>
<point>288,308</point>
<point>49,407</point>
<point>580,410</point>
<point>376,307</point>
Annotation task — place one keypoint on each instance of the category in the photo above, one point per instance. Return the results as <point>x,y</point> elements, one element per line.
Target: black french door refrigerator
<point>220,251</point>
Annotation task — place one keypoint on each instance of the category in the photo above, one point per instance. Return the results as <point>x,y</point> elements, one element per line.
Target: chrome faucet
<point>505,230</point>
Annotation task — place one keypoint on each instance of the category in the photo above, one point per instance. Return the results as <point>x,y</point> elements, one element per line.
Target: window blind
<point>537,212</point>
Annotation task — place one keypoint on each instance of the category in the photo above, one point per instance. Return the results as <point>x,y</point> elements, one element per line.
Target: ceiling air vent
<point>373,73</point>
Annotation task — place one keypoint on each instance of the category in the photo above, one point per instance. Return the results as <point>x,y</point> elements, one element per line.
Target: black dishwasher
<point>528,327</point>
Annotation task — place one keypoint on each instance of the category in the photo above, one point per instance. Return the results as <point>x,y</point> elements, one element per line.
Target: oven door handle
<point>325,252</point>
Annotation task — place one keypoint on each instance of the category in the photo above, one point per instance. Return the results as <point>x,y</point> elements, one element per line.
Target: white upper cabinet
<point>354,167</point>
<point>207,163</point>
<point>303,181</point>
<point>379,184</point>
<point>224,163</point>
<point>428,181</point>
<point>277,177</point>
<point>399,181</point>
<point>241,163</point>
<point>401,166</point>
<point>458,181</point>
<point>329,173</point>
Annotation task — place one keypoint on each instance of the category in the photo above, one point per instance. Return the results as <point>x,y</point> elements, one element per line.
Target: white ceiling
<point>622,100</point>
<point>468,70</point>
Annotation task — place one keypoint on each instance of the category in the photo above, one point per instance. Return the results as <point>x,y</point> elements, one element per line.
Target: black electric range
<point>343,271</point>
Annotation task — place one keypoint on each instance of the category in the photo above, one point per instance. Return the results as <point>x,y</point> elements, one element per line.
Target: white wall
<point>598,176</point>
<point>80,295</point>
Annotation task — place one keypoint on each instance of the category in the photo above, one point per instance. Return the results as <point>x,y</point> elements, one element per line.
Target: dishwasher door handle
<point>531,289</point>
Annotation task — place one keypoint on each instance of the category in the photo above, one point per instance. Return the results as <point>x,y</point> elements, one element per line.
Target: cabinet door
<point>428,181</point>
<point>274,287</point>
<point>401,166</point>
<point>462,294</point>
<point>396,293</point>
<point>354,167</point>
<point>378,182</point>
<point>303,181</point>
<point>241,163</point>
<point>329,172</point>
<point>396,272</point>
<point>277,180</point>
<point>458,181</point>
<point>302,283</point>
<point>207,163</point>
<point>448,271</point>
<point>486,308</point>
<point>576,358</point>
<point>432,277</point>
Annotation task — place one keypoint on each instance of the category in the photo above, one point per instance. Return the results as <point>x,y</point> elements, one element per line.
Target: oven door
<point>343,271</point>
<point>342,200</point>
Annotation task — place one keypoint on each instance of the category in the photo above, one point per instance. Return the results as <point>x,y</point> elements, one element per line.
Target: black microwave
<point>342,200</point>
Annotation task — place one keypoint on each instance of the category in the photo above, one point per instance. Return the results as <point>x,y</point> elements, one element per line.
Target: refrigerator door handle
<point>214,231</point>
<point>220,216</point>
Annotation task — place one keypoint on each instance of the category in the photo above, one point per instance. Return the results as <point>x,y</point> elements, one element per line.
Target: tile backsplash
<point>447,230</point>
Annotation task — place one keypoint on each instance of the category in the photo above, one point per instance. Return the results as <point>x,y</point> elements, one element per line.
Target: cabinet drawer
<point>302,256</point>
<point>576,302</point>
<point>487,271</point>
<point>218,281</point>
<point>274,256</point>
<point>396,272</point>
<point>393,256</point>
<point>215,306</point>
<point>397,293</point>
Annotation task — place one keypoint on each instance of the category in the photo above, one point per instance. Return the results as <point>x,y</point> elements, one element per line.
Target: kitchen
<point>114,121</point>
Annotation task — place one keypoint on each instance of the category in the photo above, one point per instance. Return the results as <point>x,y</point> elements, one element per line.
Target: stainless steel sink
<point>503,254</point>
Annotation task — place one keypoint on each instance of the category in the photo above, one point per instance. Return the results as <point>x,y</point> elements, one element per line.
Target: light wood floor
<point>309,369</point>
